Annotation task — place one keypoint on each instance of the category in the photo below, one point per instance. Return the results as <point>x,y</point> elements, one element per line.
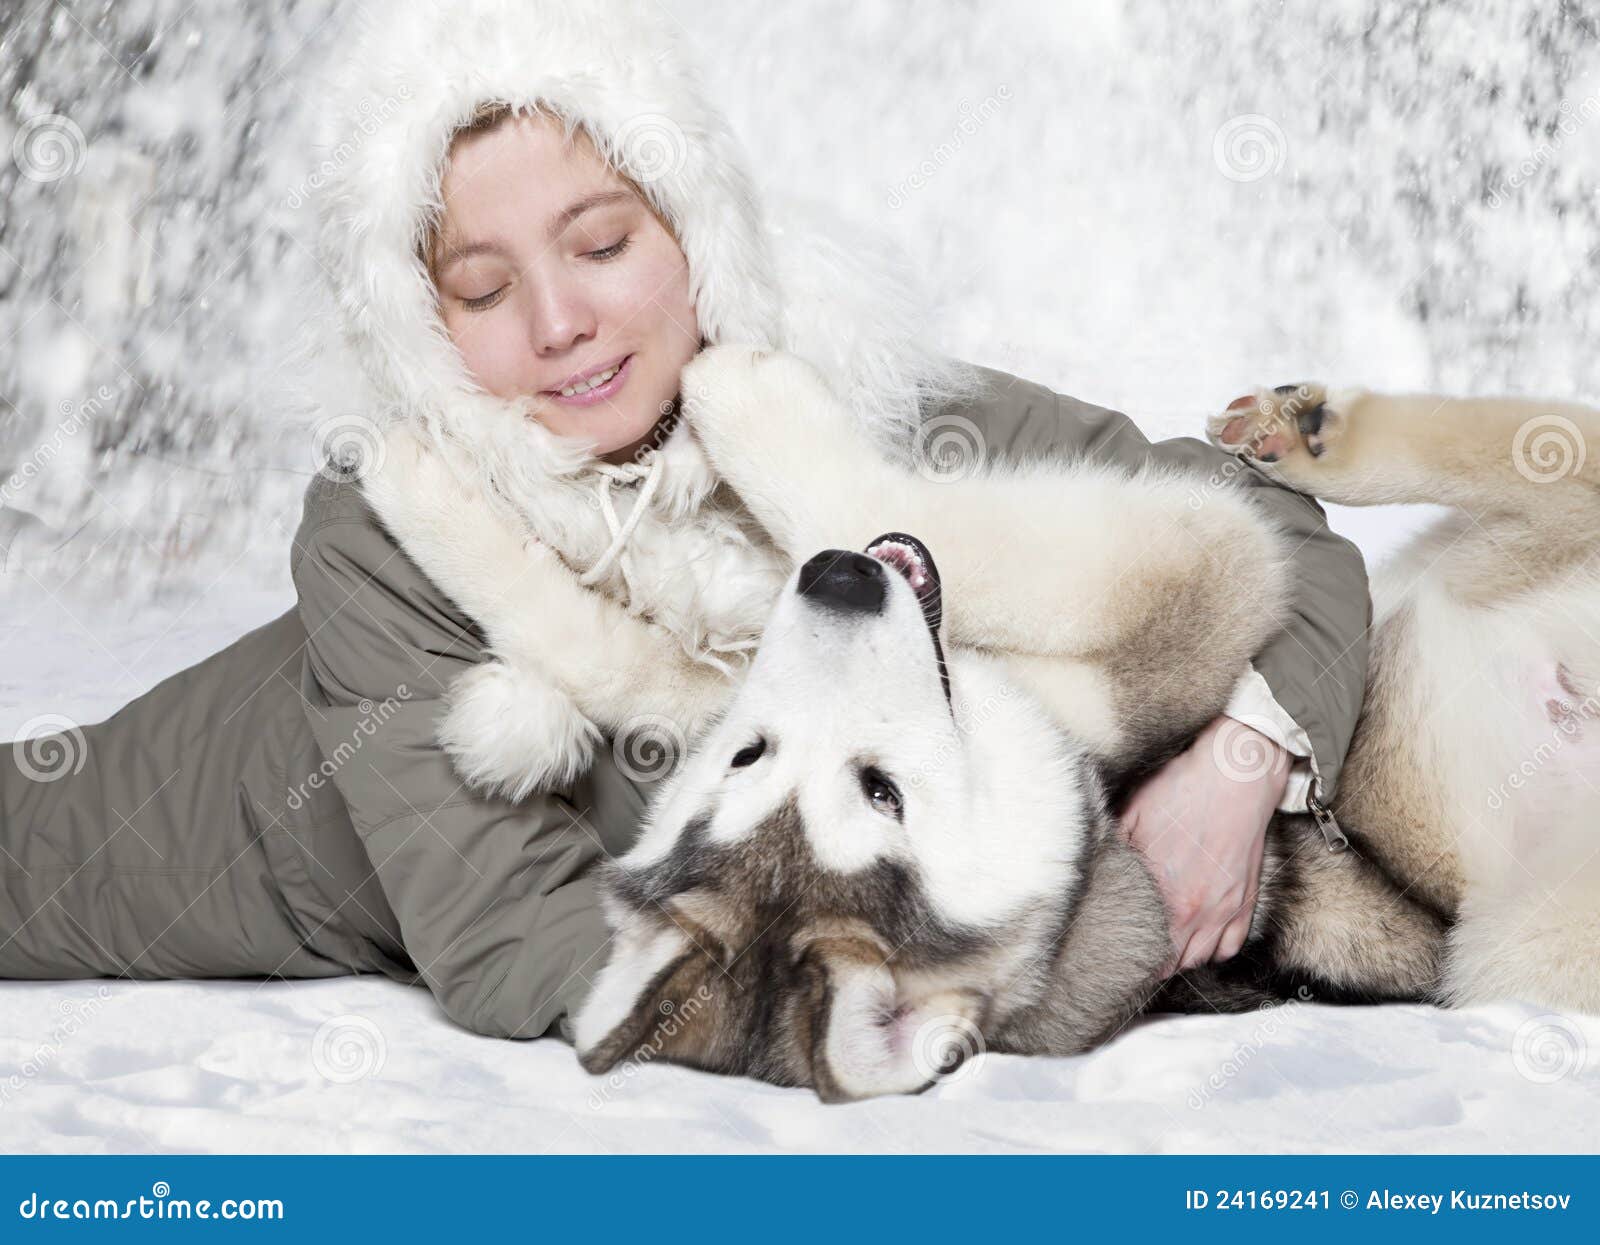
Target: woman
<point>286,807</point>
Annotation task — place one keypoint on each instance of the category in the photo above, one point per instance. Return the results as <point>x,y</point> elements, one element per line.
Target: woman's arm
<point>495,900</point>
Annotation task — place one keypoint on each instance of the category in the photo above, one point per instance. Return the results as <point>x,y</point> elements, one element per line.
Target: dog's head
<point>866,845</point>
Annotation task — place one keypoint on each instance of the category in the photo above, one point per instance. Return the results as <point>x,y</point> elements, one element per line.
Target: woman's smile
<point>597,385</point>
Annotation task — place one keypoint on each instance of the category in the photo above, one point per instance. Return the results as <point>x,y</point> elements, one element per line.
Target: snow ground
<point>365,1064</point>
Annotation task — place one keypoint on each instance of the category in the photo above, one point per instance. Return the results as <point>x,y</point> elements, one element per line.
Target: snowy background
<point>1151,205</point>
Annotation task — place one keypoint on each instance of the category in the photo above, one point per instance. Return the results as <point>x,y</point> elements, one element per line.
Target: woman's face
<point>551,271</point>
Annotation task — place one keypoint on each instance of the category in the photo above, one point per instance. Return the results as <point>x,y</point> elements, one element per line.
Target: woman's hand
<point>1201,823</point>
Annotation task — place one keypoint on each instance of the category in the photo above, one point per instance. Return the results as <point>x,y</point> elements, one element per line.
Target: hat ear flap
<point>869,1038</point>
<point>654,992</point>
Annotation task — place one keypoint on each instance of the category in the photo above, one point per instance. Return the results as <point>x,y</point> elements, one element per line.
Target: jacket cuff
<point>555,966</point>
<point>1254,705</point>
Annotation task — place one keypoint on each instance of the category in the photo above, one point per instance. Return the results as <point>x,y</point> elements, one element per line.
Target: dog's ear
<point>655,992</point>
<point>868,1037</point>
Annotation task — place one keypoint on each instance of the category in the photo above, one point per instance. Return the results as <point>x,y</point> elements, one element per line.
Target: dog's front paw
<point>1286,428</point>
<point>737,395</point>
<point>718,390</point>
<point>776,432</point>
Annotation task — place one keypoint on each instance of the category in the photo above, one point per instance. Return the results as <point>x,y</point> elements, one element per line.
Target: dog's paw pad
<point>1272,424</point>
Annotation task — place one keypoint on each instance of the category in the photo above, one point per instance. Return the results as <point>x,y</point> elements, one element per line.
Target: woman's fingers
<point>1202,948</point>
<point>1237,928</point>
<point>1233,934</point>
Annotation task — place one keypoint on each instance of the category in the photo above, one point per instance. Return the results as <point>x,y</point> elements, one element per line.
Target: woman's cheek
<point>495,352</point>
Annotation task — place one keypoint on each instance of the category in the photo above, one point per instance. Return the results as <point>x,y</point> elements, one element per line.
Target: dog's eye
<point>882,794</point>
<point>749,754</point>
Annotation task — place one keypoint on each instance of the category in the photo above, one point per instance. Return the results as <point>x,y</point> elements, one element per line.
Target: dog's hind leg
<point>1493,457</point>
<point>1531,941</point>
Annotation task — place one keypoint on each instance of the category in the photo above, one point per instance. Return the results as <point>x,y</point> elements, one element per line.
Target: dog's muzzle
<point>858,583</point>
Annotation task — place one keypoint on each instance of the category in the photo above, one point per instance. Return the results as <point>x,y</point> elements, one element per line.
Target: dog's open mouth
<point>910,558</point>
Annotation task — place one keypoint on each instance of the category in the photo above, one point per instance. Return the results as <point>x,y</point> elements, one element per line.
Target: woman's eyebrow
<point>572,213</point>
<point>453,248</point>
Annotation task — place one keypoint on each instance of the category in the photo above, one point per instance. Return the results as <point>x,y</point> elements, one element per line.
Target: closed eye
<point>749,754</point>
<point>484,302</point>
<point>612,251</point>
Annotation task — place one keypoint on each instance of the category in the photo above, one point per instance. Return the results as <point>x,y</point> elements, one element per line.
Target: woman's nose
<point>560,318</point>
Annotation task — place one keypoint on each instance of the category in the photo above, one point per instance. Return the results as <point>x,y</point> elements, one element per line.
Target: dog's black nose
<point>845,581</point>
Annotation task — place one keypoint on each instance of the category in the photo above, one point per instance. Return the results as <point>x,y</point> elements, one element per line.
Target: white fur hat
<point>418,70</point>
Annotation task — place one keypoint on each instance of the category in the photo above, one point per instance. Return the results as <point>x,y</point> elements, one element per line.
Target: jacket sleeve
<point>1316,666</point>
<point>496,901</point>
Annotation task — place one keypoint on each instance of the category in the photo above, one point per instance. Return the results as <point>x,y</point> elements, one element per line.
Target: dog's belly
<point>1477,759</point>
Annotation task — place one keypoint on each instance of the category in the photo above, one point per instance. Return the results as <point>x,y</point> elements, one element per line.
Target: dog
<point>1474,773</point>
<point>895,845</point>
